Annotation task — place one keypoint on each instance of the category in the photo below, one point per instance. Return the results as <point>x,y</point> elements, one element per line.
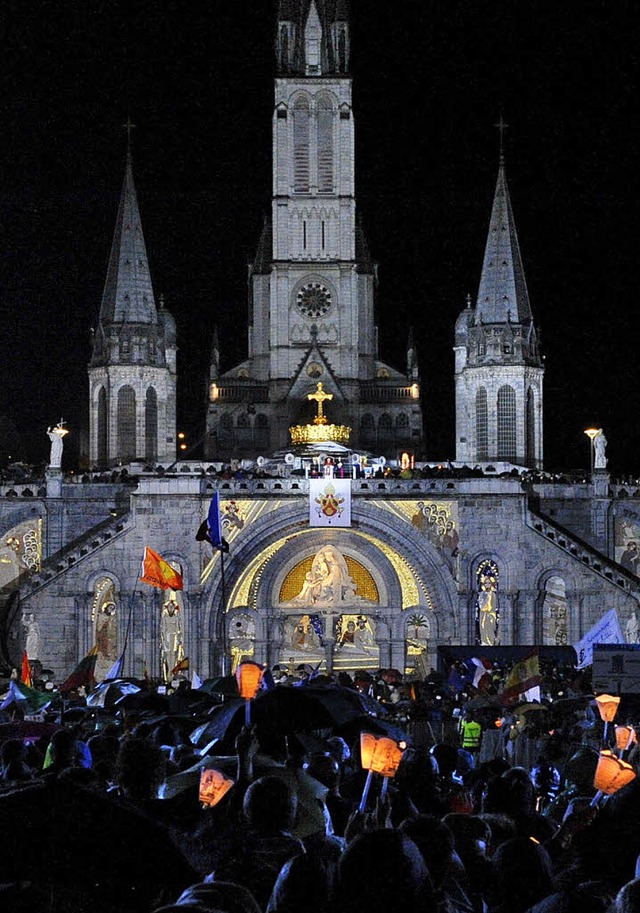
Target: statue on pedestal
<point>56,436</point>
<point>600,447</point>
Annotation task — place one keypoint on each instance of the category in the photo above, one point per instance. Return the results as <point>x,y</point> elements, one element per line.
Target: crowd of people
<point>492,809</point>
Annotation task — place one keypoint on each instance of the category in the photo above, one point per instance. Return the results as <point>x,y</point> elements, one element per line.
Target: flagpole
<point>130,616</point>
<point>224,605</point>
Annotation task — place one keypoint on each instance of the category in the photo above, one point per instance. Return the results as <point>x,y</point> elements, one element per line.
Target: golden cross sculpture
<point>320,397</point>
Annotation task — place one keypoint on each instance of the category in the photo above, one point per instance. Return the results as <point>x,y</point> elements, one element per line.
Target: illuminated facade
<point>428,560</point>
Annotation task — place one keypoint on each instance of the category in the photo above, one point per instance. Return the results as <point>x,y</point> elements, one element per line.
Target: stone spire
<point>502,295</point>
<point>128,292</point>
<point>312,37</point>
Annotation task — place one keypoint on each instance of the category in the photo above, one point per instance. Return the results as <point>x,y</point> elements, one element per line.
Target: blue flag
<point>213,521</point>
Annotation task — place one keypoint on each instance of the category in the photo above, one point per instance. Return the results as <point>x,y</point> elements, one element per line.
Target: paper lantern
<point>608,706</point>
<point>625,737</point>
<point>213,786</point>
<point>612,773</point>
<point>381,755</point>
<point>249,675</point>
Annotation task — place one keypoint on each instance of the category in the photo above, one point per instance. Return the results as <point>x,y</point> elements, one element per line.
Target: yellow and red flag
<point>524,680</point>
<point>182,666</point>
<point>158,572</point>
<point>25,674</point>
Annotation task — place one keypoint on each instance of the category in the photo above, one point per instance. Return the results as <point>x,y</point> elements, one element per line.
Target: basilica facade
<point>478,552</point>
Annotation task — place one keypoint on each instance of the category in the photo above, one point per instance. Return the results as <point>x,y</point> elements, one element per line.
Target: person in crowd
<point>255,860</point>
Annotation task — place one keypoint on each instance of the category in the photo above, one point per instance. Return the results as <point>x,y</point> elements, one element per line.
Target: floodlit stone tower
<point>132,373</point>
<point>498,367</point>
<point>312,282</point>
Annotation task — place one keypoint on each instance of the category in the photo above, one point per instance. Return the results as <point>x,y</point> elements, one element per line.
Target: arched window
<point>487,609</point>
<point>385,430</point>
<point>555,614</point>
<point>105,626</point>
<point>530,427</point>
<point>225,432</point>
<point>325,145</point>
<point>367,431</point>
<point>102,455</point>
<point>507,424</point>
<point>126,423</point>
<point>261,432</point>
<point>243,431</point>
<point>402,427</point>
<point>151,426</point>
<point>482,425</point>
<point>301,117</point>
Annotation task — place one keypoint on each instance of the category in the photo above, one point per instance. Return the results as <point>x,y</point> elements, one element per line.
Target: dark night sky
<point>431,77</point>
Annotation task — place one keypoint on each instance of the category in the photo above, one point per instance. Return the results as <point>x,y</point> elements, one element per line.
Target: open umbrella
<point>143,702</point>
<point>107,693</point>
<point>310,793</point>
<point>223,684</point>
<point>285,710</point>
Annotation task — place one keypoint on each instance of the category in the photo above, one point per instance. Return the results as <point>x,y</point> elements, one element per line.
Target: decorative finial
<point>128,126</point>
<point>501,126</point>
<point>468,301</point>
<point>320,396</point>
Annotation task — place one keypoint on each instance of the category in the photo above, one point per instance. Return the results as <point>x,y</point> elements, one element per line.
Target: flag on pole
<point>524,680</point>
<point>196,681</point>
<point>158,572</point>
<point>83,674</point>
<point>116,670</point>
<point>214,527</point>
<point>29,698</point>
<point>182,666</point>
<point>605,631</point>
<point>481,669</point>
<point>25,673</point>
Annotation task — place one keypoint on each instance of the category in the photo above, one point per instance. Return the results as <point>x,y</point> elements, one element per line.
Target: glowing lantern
<point>625,737</point>
<point>608,707</point>
<point>213,786</point>
<point>612,773</point>
<point>248,675</point>
<point>380,755</point>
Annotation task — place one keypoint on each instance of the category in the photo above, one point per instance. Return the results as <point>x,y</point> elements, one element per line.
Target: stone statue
<point>328,582</point>
<point>56,436</point>
<point>32,636</point>
<point>171,643</point>
<point>600,446</point>
<point>488,611</point>
<point>632,630</point>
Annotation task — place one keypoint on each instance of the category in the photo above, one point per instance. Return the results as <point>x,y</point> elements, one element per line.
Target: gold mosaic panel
<point>294,581</point>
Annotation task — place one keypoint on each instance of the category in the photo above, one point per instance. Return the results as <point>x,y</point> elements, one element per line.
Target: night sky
<point>431,78</point>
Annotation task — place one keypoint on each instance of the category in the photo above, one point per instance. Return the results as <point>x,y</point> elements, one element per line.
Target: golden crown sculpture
<point>319,431</point>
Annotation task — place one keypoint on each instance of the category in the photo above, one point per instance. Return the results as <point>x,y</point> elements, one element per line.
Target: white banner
<point>605,631</point>
<point>329,502</point>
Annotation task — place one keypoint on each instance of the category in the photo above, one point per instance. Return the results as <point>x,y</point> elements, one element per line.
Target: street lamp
<point>592,434</point>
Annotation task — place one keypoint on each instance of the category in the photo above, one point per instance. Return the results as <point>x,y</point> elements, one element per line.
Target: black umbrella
<point>143,702</point>
<point>190,701</point>
<point>285,710</point>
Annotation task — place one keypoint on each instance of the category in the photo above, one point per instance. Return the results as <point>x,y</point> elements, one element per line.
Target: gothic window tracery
<point>507,424</point>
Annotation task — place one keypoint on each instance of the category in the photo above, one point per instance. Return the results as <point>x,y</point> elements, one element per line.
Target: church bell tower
<point>132,373</point>
<point>498,367</point>
<point>312,282</point>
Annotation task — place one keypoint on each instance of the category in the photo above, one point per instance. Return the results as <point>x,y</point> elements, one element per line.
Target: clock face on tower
<point>313,299</point>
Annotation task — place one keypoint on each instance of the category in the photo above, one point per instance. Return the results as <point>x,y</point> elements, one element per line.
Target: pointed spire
<point>503,294</point>
<point>215,355</point>
<point>128,292</point>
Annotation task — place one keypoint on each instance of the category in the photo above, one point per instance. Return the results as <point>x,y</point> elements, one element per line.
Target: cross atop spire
<point>128,126</point>
<point>501,127</point>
